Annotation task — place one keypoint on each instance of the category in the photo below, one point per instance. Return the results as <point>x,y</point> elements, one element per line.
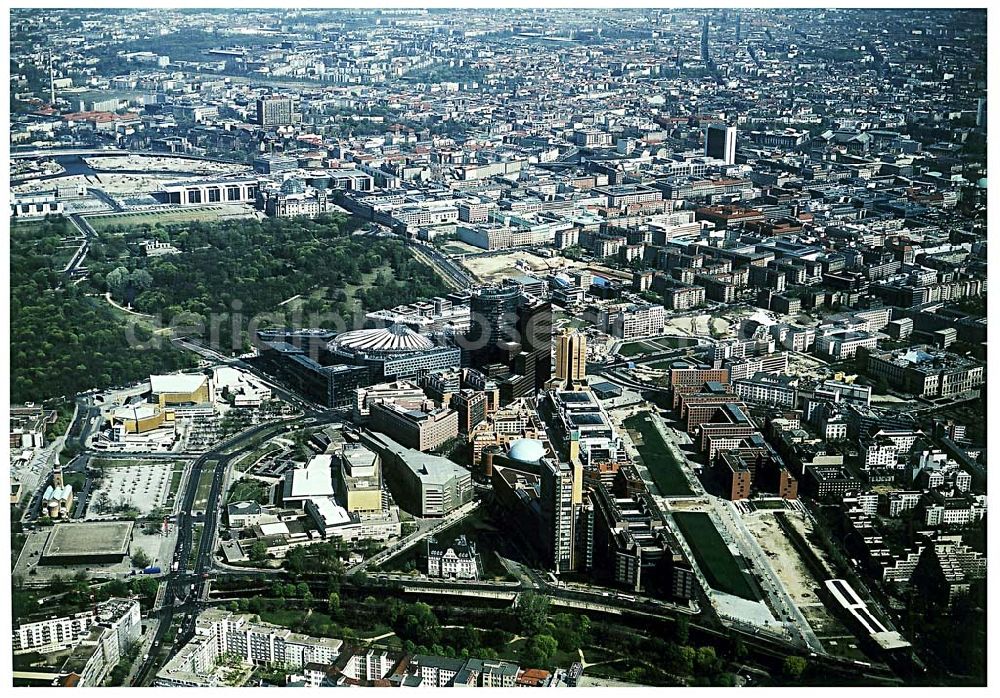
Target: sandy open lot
<point>515,263</point>
<point>795,576</point>
<point>699,326</point>
<point>113,184</point>
<point>786,562</point>
<point>144,162</point>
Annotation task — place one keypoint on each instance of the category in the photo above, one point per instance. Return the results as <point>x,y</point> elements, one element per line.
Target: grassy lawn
<point>175,479</point>
<point>64,255</point>
<point>650,346</point>
<point>676,342</point>
<point>657,457</point>
<point>30,227</point>
<point>195,546</point>
<point>249,491</point>
<point>205,484</point>
<point>285,617</point>
<point>151,218</point>
<point>660,365</point>
<point>636,348</point>
<point>75,480</point>
<point>769,503</point>
<point>513,650</point>
<point>366,282</point>
<point>720,568</point>
<point>247,461</point>
<point>100,463</point>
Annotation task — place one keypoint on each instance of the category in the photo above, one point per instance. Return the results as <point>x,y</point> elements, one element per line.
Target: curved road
<point>182,594</point>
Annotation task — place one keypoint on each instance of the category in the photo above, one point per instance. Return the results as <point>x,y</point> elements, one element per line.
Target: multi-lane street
<point>184,585</point>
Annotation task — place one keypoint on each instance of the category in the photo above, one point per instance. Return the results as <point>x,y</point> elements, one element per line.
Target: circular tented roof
<point>396,338</point>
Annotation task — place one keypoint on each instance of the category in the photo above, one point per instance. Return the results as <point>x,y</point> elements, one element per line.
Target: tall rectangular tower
<point>274,111</point>
<point>720,142</point>
<point>558,520</point>
<point>571,358</point>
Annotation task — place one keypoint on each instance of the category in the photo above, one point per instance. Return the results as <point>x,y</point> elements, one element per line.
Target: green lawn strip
<point>205,484</point>
<point>714,559</point>
<point>658,458</point>
<point>151,218</point>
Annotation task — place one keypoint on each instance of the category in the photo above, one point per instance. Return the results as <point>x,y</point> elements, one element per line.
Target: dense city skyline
<point>498,347</point>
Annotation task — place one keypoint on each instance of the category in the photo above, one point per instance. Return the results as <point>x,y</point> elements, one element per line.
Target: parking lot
<point>144,486</point>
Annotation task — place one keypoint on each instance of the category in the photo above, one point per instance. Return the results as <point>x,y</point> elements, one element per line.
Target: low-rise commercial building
<point>421,429</point>
<point>926,372</point>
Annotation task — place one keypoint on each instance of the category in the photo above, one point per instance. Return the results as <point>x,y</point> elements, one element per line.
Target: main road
<point>183,584</point>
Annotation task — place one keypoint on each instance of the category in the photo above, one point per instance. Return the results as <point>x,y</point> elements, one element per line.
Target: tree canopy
<point>62,341</point>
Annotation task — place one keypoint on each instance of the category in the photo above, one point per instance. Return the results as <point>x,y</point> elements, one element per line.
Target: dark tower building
<point>494,325</point>
<point>720,142</point>
<point>704,40</point>
<point>534,327</point>
<point>510,339</point>
<point>737,27</point>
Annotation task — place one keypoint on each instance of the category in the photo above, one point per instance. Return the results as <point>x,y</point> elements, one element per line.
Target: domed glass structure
<point>526,450</point>
<point>293,185</point>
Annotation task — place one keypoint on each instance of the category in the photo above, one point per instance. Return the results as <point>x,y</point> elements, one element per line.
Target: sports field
<point>720,568</point>
<point>657,457</point>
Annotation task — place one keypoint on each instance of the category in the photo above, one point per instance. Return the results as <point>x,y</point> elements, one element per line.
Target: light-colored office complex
<point>421,483</point>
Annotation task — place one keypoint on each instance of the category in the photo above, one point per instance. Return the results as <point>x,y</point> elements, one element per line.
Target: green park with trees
<point>66,338</point>
<point>64,341</point>
<point>283,271</point>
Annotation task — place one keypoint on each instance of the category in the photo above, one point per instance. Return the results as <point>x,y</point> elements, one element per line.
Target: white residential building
<point>633,321</point>
<point>219,632</point>
<point>457,560</point>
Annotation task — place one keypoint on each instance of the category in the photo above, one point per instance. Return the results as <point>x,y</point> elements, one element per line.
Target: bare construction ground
<point>113,184</point>
<point>502,266</point>
<point>800,583</point>
<point>700,326</point>
<point>173,164</point>
<point>790,568</point>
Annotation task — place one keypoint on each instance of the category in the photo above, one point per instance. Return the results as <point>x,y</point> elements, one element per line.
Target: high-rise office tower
<point>52,81</point>
<point>275,111</point>
<point>510,339</point>
<point>493,325</point>
<point>571,358</point>
<point>704,40</point>
<point>737,27</point>
<point>720,143</point>
<point>560,496</point>
<point>534,329</point>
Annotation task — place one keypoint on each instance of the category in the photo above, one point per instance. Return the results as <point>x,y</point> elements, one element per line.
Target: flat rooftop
<point>177,383</point>
<point>99,538</point>
<point>313,480</point>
